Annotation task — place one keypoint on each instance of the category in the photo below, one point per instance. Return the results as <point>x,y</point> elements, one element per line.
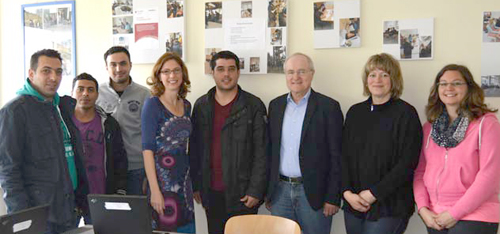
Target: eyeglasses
<point>299,72</point>
<point>453,84</point>
<point>176,71</point>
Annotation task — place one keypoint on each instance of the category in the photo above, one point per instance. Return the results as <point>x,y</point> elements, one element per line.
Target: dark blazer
<point>319,152</point>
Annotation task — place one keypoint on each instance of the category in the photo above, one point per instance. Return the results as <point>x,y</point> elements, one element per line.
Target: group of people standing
<point>229,154</point>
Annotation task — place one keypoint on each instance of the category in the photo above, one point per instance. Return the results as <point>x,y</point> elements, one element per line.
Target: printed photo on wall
<point>174,43</point>
<point>276,36</point>
<point>491,85</point>
<point>276,59</point>
<point>246,9</point>
<point>122,7</point>
<point>254,64</point>
<point>409,39</point>
<point>277,13</point>
<point>391,32</point>
<point>242,63</point>
<point>123,25</point>
<point>213,15</point>
<point>349,33</point>
<point>323,15</point>
<point>491,26</point>
<point>175,8</point>
<point>209,53</point>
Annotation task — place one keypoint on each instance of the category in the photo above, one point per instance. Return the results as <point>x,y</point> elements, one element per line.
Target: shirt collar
<point>304,99</point>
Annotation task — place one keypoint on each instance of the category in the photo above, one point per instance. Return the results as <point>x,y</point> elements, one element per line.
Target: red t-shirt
<point>220,115</point>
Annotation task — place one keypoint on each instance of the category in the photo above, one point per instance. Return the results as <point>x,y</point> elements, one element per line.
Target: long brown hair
<point>471,106</point>
<point>154,80</point>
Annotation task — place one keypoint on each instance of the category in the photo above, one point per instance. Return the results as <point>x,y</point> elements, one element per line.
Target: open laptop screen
<point>113,214</point>
<point>28,221</point>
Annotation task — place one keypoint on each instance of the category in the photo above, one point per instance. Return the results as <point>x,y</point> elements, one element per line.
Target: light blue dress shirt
<point>293,120</point>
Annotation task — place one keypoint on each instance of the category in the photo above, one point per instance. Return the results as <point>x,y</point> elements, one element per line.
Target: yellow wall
<point>457,39</point>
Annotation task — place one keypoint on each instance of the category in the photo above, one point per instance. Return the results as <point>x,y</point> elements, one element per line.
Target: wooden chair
<point>261,224</point>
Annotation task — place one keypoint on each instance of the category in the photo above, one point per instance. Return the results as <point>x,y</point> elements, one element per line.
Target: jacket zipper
<point>439,177</point>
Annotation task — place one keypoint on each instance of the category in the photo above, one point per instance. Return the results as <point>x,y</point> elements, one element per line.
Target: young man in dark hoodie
<point>104,155</point>
<point>40,147</point>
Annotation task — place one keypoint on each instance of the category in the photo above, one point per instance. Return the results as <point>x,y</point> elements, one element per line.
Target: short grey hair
<point>309,60</point>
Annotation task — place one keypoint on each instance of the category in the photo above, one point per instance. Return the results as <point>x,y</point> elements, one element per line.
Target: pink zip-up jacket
<point>464,180</point>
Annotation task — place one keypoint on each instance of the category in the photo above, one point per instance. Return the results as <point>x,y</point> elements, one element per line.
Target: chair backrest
<point>259,224</point>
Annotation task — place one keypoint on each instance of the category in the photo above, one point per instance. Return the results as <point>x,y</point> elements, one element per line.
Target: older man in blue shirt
<point>306,130</point>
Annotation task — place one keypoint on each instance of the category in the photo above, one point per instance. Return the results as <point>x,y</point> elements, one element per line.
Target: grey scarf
<point>449,135</point>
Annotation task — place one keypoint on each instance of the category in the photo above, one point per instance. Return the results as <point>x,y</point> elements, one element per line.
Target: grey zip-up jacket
<point>126,109</point>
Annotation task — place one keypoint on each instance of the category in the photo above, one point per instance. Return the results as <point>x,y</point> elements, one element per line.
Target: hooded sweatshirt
<point>28,90</point>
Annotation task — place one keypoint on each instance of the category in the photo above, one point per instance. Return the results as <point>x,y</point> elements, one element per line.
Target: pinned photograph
<point>213,15</point>
<point>425,47</point>
<point>491,85</point>
<point>246,9</point>
<point>254,64</point>
<point>491,26</point>
<point>391,32</point>
<point>122,7</point>
<point>323,15</point>
<point>122,40</point>
<point>209,53</point>
<point>242,63</point>
<point>123,25</point>
<point>276,36</point>
<point>409,43</point>
<point>174,43</point>
<point>175,8</point>
<point>276,59</point>
<point>277,13</point>
<point>349,33</point>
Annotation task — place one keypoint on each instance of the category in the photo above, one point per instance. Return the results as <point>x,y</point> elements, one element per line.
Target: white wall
<point>457,40</point>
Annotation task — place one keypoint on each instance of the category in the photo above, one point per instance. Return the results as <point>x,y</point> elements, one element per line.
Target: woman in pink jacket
<point>457,181</point>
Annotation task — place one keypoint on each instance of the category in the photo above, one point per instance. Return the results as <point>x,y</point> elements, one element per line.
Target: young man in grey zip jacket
<point>124,99</point>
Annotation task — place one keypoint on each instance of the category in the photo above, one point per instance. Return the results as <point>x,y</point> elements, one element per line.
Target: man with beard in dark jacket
<point>227,146</point>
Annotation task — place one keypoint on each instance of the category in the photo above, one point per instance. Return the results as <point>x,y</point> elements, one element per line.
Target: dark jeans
<point>86,219</point>
<point>385,225</point>
<point>466,227</point>
<point>217,214</point>
<point>135,180</point>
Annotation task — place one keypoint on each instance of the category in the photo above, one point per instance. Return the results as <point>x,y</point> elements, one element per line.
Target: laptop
<point>113,214</point>
<point>28,221</point>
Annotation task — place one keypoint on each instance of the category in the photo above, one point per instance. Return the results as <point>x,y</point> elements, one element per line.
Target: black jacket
<point>319,152</point>
<point>33,166</point>
<point>243,140</point>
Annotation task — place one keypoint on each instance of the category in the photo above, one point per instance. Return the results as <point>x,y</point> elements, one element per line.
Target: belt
<point>297,180</point>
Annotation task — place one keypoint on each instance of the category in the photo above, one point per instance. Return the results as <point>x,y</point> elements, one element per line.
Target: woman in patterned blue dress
<point>166,127</point>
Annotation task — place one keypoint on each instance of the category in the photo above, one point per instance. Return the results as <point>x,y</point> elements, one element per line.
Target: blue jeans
<point>466,227</point>
<point>289,200</point>
<point>86,219</point>
<point>53,228</point>
<point>385,225</point>
<point>135,180</point>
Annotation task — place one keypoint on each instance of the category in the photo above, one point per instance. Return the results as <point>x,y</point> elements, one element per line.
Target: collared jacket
<point>243,140</point>
<point>33,166</point>
<point>115,159</point>
<point>319,150</point>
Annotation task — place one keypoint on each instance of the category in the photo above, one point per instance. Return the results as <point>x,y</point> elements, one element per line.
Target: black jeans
<point>217,214</point>
<point>466,227</point>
